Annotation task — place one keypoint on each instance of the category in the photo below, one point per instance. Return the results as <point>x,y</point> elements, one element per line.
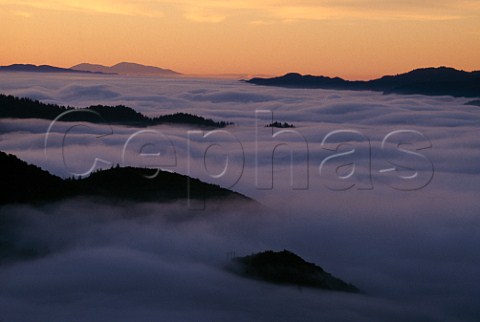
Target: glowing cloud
<point>138,8</point>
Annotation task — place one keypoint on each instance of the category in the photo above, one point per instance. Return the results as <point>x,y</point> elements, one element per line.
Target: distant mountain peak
<point>440,70</point>
<point>426,81</point>
<point>125,68</point>
<point>293,75</point>
<point>30,68</point>
<point>130,64</point>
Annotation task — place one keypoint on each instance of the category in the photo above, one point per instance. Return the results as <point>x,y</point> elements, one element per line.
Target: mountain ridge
<point>41,69</point>
<point>27,183</point>
<point>122,68</point>
<point>125,68</point>
<point>425,81</point>
<point>15,107</point>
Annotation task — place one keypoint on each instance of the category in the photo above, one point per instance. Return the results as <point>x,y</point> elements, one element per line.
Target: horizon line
<point>241,74</point>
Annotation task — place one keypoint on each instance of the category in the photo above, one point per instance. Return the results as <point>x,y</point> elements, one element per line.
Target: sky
<point>354,39</point>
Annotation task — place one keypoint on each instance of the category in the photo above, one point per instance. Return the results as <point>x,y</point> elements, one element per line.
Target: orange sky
<point>350,38</point>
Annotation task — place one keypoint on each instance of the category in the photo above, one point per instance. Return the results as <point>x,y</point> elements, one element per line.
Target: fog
<point>408,238</point>
<point>150,261</point>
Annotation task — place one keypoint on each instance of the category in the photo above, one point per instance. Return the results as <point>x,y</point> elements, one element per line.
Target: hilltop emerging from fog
<point>286,267</point>
<point>425,81</point>
<point>24,108</point>
<point>30,184</point>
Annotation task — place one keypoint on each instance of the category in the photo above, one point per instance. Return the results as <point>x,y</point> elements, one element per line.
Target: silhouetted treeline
<point>15,107</point>
<point>26,183</point>
<point>23,183</point>
<point>20,107</point>
<point>186,118</point>
<point>286,267</point>
<point>281,125</point>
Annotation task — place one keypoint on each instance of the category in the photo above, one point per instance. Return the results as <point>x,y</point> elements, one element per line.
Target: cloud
<point>95,92</point>
<point>148,261</point>
<point>213,11</point>
<point>229,97</point>
<point>33,94</point>
<point>415,253</point>
<point>375,10</point>
<point>23,14</point>
<point>197,14</point>
<point>125,8</point>
<point>445,121</point>
<point>330,10</point>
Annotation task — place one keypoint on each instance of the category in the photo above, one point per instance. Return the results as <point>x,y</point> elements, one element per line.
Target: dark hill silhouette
<point>286,267</point>
<point>19,107</point>
<point>41,69</point>
<point>474,102</point>
<point>14,107</point>
<point>185,118</point>
<point>132,184</point>
<point>96,68</point>
<point>26,183</point>
<point>125,68</point>
<point>23,182</point>
<point>301,81</point>
<point>425,81</point>
<point>280,125</point>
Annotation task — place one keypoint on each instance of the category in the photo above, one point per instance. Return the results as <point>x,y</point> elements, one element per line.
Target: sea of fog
<point>380,190</point>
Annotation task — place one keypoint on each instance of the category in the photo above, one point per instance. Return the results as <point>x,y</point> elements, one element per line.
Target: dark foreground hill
<point>15,107</point>
<point>425,81</point>
<point>287,268</point>
<point>26,183</point>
